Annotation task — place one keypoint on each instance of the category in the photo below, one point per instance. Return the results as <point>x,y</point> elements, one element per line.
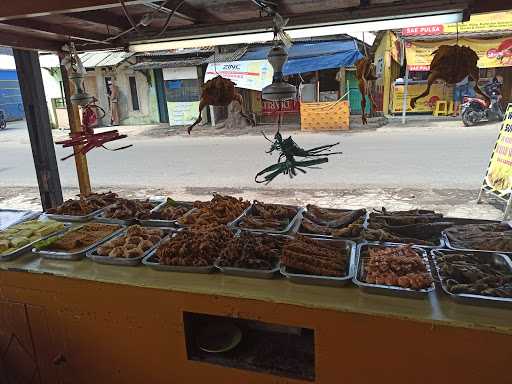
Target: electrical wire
<point>166,25</point>
<point>128,16</point>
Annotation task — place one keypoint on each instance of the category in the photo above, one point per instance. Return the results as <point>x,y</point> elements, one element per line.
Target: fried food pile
<point>194,247</point>
<point>126,209</point>
<point>315,257</point>
<point>19,235</point>
<point>134,243</point>
<point>172,210</point>
<point>474,274</point>
<point>488,237</point>
<point>268,216</point>
<point>396,266</point>
<point>332,222</point>
<point>252,251</point>
<point>85,205</point>
<point>221,210</point>
<point>414,227</point>
<point>82,237</point>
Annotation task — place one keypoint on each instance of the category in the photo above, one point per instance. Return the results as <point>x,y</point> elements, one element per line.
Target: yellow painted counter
<point>439,91</point>
<point>82,322</point>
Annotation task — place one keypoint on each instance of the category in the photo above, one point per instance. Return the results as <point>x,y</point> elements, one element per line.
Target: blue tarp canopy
<point>312,56</point>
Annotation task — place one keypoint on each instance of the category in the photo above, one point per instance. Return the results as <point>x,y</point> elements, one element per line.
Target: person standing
<point>461,89</point>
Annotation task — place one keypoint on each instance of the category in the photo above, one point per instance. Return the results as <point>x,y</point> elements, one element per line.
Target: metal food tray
<point>76,219</point>
<point>390,290</point>
<point>75,255</point>
<point>150,262</point>
<point>290,228</point>
<point>28,247</point>
<point>329,236</point>
<point>101,218</point>
<point>301,278</point>
<point>26,215</point>
<point>466,298</point>
<point>133,261</point>
<point>247,272</point>
<point>455,248</point>
<point>164,223</point>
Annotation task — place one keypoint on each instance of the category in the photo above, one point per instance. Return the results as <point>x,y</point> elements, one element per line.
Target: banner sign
<point>272,107</point>
<point>499,172</point>
<point>492,53</point>
<point>486,22</point>
<point>251,74</point>
<point>182,113</point>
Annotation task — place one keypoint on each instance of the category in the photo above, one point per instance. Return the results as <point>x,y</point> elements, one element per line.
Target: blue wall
<point>10,96</point>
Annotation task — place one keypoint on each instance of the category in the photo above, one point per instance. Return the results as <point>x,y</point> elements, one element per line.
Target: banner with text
<point>492,53</point>
<point>251,74</point>
<point>499,172</point>
<point>485,22</point>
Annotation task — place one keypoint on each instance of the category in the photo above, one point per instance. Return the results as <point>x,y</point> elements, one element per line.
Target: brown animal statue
<point>365,72</point>
<point>452,63</point>
<point>219,92</point>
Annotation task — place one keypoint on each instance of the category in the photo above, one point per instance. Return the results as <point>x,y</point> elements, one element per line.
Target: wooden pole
<point>82,170</point>
<point>39,128</point>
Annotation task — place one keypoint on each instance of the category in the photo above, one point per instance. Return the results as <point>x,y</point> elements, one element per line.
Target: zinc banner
<point>492,53</point>
<point>499,173</point>
<point>250,74</point>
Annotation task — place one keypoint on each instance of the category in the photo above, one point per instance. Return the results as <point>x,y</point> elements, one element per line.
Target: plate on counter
<point>46,251</point>
<point>155,221</point>
<point>93,254</point>
<point>301,276</point>
<point>360,278</point>
<point>250,217</point>
<point>498,262</point>
<point>126,213</point>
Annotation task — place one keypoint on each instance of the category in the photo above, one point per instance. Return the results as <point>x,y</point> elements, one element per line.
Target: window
<point>133,92</point>
<point>185,90</point>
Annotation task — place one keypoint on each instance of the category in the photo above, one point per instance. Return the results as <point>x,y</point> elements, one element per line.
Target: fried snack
<point>221,210</point>
<point>19,235</point>
<point>126,209</point>
<point>399,218</point>
<point>134,243</point>
<point>488,237</point>
<point>172,210</point>
<point>474,274</point>
<point>251,251</point>
<point>85,205</point>
<point>82,237</point>
<point>315,257</point>
<point>331,222</point>
<point>194,247</point>
<point>386,236</point>
<point>396,266</point>
<point>268,216</point>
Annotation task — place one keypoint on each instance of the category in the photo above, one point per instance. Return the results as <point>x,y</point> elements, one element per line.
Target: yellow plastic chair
<point>441,108</point>
<point>450,108</point>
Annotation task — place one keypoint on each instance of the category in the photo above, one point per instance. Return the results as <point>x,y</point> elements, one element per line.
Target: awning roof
<point>313,56</point>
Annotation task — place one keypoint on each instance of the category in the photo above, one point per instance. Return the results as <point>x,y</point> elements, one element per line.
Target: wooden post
<point>39,129</point>
<point>75,125</point>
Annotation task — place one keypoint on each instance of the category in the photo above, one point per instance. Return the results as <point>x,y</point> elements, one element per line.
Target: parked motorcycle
<point>475,110</point>
<point>3,122</point>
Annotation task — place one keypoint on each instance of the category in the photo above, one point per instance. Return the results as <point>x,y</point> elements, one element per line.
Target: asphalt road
<point>446,156</point>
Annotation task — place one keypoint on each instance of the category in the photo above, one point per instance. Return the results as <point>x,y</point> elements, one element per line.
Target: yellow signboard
<point>492,53</point>
<point>485,22</point>
<point>427,104</point>
<point>499,173</point>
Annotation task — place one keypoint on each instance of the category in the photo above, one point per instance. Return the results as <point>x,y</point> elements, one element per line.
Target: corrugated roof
<point>103,59</point>
<point>168,64</point>
<point>226,56</point>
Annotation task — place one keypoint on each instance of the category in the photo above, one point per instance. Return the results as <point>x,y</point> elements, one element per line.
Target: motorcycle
<point>3,122</point>
<point>475,110</point>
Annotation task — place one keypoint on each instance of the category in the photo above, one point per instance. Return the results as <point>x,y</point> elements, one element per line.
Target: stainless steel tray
<point>301,278</point>
<point>164,223</point>
<point>101,218</point>
<point>329,236</point>
<point>151,261</point>
<point>76,219</point>
<point>388,289</point>
<point>93,255</point>
<point>449,245</point>
<point>494,258</point>
<point>290,228</point>
<point>75,255</point>
<point>22,215</point>
<point>28,247</point>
